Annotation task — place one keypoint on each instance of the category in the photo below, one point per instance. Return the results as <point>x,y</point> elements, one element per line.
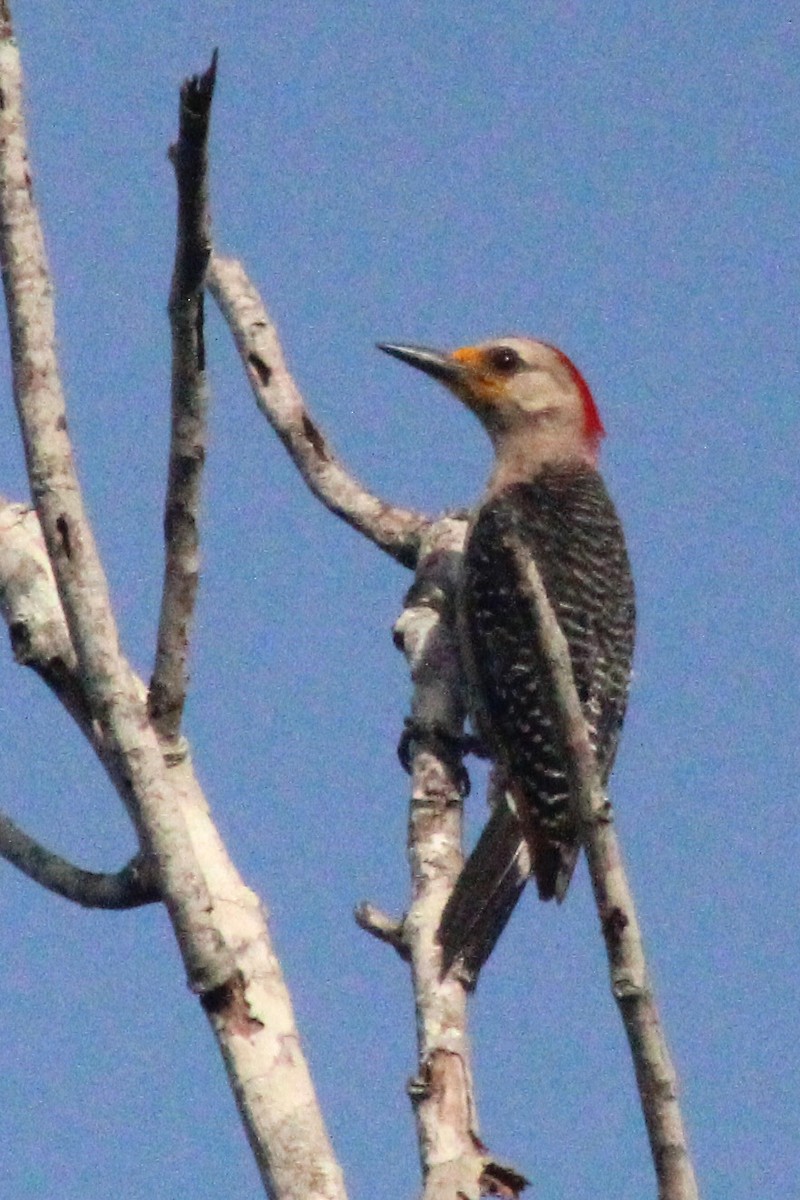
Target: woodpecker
<point>545,502</point>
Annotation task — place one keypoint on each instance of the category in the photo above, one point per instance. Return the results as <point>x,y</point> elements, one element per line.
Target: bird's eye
<point>504,360</point>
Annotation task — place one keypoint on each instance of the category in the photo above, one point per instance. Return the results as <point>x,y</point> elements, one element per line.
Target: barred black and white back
<point>564,520</point>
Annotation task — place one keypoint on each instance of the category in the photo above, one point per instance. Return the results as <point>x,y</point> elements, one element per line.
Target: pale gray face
<point>512,379</point>
<point>510,383</point>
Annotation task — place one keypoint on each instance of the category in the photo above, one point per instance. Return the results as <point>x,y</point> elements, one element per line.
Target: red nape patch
<point>594,426</point>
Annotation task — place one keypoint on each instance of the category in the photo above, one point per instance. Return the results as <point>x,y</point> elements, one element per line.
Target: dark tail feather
<point>553,867</point>
<point>491,883</point>
<point>569,860</point>
<point>485,895</point>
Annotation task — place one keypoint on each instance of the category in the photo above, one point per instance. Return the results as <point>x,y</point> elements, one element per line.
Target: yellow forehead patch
<point>470,355</point>
<point>485,382</point>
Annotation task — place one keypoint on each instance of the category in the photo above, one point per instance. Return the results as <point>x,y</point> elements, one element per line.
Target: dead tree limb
<point>218,922</point>
<point>630,981</point>
<point>395,530</point>
<point>454,1160</point>
<point>277,396</point>
<point>114,700</point>
<point>131,887</point>
<point>187,453</point>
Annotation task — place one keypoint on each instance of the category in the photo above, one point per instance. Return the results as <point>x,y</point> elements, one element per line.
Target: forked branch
<point>219,923</point>
<point>111,689</point>
<point>454,1162</point>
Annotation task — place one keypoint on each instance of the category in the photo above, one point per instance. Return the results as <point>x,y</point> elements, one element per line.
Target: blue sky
<point>618,180</point>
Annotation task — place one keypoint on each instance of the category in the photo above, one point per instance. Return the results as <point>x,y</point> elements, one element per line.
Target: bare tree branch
<point>218,921</point>
<point>383,927</point>
<point>38,631</point>
<point>396,530</point>
<point>454,1161</point>
<point>131,887</point>
<point>114,698</point>
<point>189,406</point>
<point>32,610</point>
<point>630,982</point>
<point>251,1012</point>
<point>253,1019</point>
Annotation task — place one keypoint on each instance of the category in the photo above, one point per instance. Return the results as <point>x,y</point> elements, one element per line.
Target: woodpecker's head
<point>522,391</point>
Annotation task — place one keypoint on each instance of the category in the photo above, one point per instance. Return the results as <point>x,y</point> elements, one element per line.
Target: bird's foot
<point>447,746</point>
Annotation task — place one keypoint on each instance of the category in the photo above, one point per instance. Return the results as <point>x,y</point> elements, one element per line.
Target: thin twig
<point>395,530</point>
<point>131,887</point>
<point>630,981</point>
<point>189,406</point>
<point>383,927</point>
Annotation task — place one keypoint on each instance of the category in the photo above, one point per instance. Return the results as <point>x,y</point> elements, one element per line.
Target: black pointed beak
<point>436,363</point>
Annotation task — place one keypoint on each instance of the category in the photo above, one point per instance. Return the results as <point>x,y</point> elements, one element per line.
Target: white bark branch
<point>110,687</point>
<point>268,1073</point>
<point>218,922</point>
<point>630,981</point>
<point>395,530</point>
<point>454,1161</point>
<point>252,1016</point>
<point>31,608</point>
